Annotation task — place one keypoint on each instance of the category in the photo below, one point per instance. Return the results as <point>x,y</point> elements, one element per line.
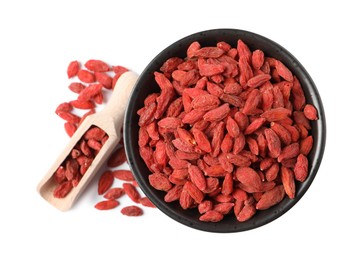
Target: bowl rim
<point>305,80</point>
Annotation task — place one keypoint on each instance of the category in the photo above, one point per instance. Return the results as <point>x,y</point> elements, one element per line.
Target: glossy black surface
<point>146,85</point>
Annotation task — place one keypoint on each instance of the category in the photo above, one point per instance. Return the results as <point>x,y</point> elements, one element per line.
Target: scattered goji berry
<point>105,182</point>
<point>96,66</point>
<point>132,211</point>
<point>106,204</point>
<point>73,69</point>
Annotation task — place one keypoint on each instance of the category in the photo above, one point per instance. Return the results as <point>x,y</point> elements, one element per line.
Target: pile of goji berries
<point>227,133</point>
<point>75,165</point>
<point>96,77</point>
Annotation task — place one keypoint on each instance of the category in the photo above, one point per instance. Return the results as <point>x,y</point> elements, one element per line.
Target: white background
<point>37,41</point>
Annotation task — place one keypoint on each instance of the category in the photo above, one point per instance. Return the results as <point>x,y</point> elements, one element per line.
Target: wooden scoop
<point>110,119</point>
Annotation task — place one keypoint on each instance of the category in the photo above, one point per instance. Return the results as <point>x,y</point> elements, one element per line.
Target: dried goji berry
<point>301,168</point>
<point>87,104</point>
<point>246,213</point>
<point>104,79</point>
<point>271,198</point>
<point>76,87</point>
<point>96,66</point>
<point>117,157</point>
<point>105,182</point>
<point>70,128</point>
<point>114,193</point>
<point>90,92</point>
<point>131,192</point>
<point>94,144</point>
<point>124,175</point>
<point>306,145</point>
<point>283,71</point>
<point>197,177</point>
<point>173,194</point>
<point>310,112</point>
<point>257,59</point>
<point>205,206</point>
<point>73,69</point>
<point>106,204</point>
<point>63,107</point>
<point>86,76</point>
<point>146,202</point>
<point>62,189</point>
<point>289,151</point>
<point>249,177</point>
<point>69,117</point>
<point>119,70</point>
<point>288,181</point>
<point>276,114</point>
<point>211,216</point>
<point>160,181</point>
<point>132,211</point>
<point>274,143</point>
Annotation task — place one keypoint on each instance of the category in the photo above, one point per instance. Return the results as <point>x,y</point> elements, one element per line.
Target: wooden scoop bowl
<point>110,119</point>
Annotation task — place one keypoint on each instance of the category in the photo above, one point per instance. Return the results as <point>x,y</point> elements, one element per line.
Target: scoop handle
<point>117,104</point>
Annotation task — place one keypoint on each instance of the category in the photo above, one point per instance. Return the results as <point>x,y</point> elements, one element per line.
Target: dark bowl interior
<point>146,85</point>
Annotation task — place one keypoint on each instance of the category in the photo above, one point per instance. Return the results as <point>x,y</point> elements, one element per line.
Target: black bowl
<point>146,85</point>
